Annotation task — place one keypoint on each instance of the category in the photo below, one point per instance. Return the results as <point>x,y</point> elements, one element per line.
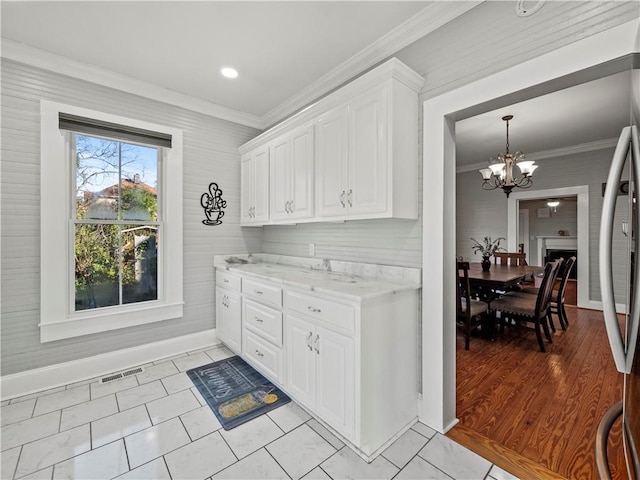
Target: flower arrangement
<point>487,247</point>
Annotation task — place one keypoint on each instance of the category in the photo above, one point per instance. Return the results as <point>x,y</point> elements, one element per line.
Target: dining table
<point>498,278</point>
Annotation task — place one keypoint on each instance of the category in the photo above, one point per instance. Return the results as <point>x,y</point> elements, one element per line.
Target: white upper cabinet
<point>291,166</point>
<point>361,162</point>
<point>353,162</point>
<point>254,202</point>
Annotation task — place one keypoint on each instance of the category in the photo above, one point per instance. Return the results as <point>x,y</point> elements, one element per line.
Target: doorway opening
<point>536,77</point>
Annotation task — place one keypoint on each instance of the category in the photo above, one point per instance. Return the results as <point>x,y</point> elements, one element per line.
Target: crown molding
<point>554,153</point>
<point>424,22</point>
<point>23,53</point>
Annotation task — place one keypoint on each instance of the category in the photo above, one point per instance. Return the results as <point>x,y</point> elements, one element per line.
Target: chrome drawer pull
<point>259,320</point>
<point>259,354</point>
<point>317,344</point>
<point>225,280</point>
<point>309,341</point>
<point>313,309</point>
<point>259,292</point>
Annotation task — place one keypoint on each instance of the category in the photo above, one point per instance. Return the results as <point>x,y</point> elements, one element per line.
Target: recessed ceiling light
<point>229,72</point>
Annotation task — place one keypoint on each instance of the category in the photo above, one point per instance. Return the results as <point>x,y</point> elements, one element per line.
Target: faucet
<point>326,264</point>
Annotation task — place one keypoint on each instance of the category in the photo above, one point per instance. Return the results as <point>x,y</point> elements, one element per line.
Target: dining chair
<point>557,295</point>
<point>510,258</point>
<point>469,312</point>
<point>529,308</point>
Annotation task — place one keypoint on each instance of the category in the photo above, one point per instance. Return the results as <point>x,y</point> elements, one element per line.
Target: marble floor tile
<point>88,381</point>
<point>195,460</point>
<point>29,430</point>
<point>251,436</point>
<point>36,394</point>
<point>422,429</point>
<point>326,434</point>
<point>219,353</point>
<point>257,466</point>
<point>17,412</point>
<point>499,474</point>
<point>172,406</point>
<point>59,400</point>
<point>155,441</point>
<point>88,411</point>
<point>316,474</point>
<point>100,390</point>
<point>346,464</point>
<point>138,395</point>
<point>104,462</point>
<point>156,372</point>
<point>420,468</point>
<point>50,450</point>
<point>405,448</point>
<point>119,425</point>
<point>8,462</point>
<point>154,470</point>
<point>44,474</point>
<point>168,359</point>
<point>176,383</point>
<point>300,451</point>
<point>289,416</point>
<point>200,422</point>
<point>454,459</point>
<point>191,361</point>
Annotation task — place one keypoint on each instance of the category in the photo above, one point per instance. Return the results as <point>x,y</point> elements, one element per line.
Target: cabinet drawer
<point>263,292</point>
<point>265,356</point>
<point>264,321</point>
<point>335,314</point>
<point>228,280</point>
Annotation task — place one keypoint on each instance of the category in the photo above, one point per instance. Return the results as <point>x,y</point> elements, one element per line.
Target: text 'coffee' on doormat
<point>235,391</point>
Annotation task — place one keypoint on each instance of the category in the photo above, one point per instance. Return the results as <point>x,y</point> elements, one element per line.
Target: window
<point>111,218</point>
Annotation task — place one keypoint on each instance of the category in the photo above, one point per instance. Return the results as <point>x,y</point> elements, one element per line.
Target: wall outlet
<point>312,249</point>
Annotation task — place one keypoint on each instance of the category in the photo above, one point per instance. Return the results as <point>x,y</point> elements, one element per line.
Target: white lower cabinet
<point>350,362</point>
<point>229,318</point>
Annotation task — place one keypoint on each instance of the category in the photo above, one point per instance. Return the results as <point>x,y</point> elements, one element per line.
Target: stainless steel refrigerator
<point>620,284</point>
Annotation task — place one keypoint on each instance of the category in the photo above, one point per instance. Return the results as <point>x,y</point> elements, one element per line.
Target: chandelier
<point>500,171</point>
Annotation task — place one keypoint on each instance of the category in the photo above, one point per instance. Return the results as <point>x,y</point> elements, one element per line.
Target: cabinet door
<point>300,360</point>
<point>335,396</point>
<point>301,173</point>
<point>221,314</point>
<point>279,183</point>
<point>229,318</point>
<point>368,157</point>
<point>331,164</point>
<point>261,185</point>
<point>233,322</point>
<point>247,176</point>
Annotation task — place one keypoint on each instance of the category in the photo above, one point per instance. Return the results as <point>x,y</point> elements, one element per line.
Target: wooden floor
<point>544,407</point>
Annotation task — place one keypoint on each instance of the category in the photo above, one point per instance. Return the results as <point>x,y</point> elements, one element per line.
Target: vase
<point>486,264</point>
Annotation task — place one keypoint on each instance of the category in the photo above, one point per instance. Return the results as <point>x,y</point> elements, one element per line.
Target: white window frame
<point>57,320</point>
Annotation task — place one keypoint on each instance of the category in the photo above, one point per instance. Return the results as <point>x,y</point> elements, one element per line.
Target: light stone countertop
<point>324,276</point>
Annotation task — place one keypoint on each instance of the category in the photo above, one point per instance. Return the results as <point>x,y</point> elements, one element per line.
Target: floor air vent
<point>117,376</point>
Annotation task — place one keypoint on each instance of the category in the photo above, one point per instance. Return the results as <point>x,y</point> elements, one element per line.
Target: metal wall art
<point>213,205</point>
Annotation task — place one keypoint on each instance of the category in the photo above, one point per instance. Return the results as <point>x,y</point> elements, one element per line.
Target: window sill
<point>86,324</point>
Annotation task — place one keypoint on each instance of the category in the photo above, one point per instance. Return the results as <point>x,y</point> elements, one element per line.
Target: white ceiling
<point>591,113</point>
<point>279,48</point>
<point>284,50</point>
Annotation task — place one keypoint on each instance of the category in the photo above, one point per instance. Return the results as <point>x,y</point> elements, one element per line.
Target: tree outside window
<point>117,222</point>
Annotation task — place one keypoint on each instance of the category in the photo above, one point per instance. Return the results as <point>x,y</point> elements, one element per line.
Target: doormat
<point>235,391</point>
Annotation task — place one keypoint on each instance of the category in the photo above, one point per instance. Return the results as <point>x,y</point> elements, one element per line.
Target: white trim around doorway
<point>438,406</point>
<point>582,192</point>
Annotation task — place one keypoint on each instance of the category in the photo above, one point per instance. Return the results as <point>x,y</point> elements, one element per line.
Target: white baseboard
<point>31,381</point>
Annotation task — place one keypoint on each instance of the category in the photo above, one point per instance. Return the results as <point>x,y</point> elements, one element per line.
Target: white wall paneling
<point>439,192</point>
<point>210,154</point>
